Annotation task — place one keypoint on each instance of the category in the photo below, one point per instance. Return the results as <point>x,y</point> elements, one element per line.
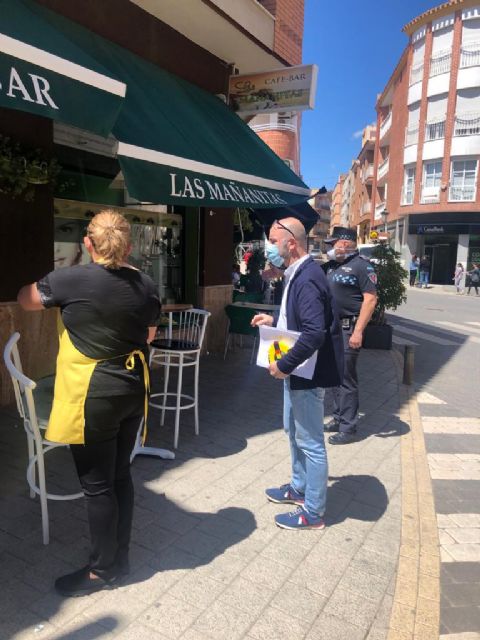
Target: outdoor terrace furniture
<point>33,422</point>
<point>239,319</point>
<point>180,352</point>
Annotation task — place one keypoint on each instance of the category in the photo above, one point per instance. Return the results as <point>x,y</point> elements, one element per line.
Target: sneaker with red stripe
<point>299,519</point>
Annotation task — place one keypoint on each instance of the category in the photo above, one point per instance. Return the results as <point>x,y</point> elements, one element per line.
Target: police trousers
<point>345,397</point>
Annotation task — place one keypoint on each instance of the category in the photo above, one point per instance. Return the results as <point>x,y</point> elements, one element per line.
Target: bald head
<point>296,229</point>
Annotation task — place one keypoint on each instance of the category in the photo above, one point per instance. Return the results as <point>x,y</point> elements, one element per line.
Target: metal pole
<point>408,364</point>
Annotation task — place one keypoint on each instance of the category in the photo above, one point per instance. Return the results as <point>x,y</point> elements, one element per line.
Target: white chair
<point>182,351</point>
<point>37,445</point>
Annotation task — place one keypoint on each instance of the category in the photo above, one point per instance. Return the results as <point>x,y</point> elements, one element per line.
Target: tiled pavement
<point>207,559</point>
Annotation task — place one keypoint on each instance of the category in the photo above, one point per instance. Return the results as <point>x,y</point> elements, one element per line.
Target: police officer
<point>353,282</point>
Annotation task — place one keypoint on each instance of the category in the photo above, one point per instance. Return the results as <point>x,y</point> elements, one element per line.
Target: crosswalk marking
<point>456,326</point>
<point>423,397</point>
<point>476,324</point>
<point>425,336</point>
<point>404,341</point>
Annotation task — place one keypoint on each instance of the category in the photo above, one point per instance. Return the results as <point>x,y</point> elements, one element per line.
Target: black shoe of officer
<point>342,438</point>
<point>332,426</point>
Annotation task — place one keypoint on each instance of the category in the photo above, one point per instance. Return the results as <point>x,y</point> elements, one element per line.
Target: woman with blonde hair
<point>108,315</point>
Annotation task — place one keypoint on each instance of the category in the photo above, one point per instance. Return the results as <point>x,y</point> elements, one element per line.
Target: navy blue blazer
<point>311,311</point>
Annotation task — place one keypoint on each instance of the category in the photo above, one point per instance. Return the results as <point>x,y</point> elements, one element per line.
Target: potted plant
<point>21,170</point>
<point>391,292</point>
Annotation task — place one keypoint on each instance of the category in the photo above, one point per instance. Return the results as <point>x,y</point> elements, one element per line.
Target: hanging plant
<point>22,170</point>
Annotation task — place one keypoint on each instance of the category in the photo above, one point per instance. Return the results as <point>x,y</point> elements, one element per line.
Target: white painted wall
<point>415,92</point>
<point>465,146</point>
<point>468,78</point>
<point>410,154</point>
<point>438,84</point>
<point>433,149</point>
<point>462,249</point>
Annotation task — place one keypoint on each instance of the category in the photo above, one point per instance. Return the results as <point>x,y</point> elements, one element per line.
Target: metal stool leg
<point>165,389</point>
<point>195,395</point>
<point>179,400</point>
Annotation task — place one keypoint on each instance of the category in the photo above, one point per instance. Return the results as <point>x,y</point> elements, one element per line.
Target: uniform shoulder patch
<point>372,276</point>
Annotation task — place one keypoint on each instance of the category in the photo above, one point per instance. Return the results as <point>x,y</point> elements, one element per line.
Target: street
<point>445,331</point>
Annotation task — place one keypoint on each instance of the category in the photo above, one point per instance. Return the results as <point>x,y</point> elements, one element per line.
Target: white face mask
<point>331,253</point>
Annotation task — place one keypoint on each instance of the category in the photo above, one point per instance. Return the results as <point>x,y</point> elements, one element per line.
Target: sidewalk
<point>207,559</point>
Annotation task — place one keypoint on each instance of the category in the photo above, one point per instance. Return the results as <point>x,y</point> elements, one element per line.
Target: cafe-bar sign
<point>286,89</point>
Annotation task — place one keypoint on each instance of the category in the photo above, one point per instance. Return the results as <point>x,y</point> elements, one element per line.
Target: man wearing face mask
<point>353,282</point>
<point>307,307</point>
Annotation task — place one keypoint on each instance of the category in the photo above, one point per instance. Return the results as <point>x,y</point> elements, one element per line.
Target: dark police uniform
<point>348,281</point>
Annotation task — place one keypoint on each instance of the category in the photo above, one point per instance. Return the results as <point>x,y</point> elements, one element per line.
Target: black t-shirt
<point>349,280</point>
<point>107,313</point>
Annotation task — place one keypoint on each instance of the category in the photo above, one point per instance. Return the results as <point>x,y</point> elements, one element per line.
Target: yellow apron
<point>72,380</point>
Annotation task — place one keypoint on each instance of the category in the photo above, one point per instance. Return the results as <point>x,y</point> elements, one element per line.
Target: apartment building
<point>281,131</point>
<point>335,214</point>
<point>352,197</point>
<point>322,203</point>
<point>361,202</point>
<point>428,141</point>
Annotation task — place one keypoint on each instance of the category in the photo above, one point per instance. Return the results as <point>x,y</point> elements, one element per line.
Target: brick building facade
<point>428,141</point>
<point>281,131</point>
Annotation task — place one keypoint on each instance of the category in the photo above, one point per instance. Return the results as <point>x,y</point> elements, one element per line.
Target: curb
<point>416,603</point>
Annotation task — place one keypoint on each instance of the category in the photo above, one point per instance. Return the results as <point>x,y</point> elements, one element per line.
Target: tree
<point>391,276</point>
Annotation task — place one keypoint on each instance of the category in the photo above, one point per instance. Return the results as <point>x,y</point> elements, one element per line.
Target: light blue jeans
<point>424,276</point>
<point>303,423</point>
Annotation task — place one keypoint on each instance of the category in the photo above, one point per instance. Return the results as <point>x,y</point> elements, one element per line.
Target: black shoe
<point>332,426</point>
<point>342,438</point>
<point>79,583</point>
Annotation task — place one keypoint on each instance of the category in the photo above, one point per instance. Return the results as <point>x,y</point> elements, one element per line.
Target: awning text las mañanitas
<point>203,189</point>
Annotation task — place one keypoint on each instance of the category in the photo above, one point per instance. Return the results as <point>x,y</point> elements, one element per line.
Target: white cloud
<point>357,134</point>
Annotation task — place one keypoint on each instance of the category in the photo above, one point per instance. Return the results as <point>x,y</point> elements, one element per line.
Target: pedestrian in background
<point>474,279</point>
<point>458,277</point>
<point>414,264</point>
<point>307,307</point>
<point>424,272</point>
<point>353,283</point>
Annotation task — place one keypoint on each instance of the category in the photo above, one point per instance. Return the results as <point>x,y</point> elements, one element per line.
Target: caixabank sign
<point>444,224</point>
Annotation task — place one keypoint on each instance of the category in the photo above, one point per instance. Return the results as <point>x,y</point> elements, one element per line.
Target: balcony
<point>430,194</point>
<point>435,130</point>
<point>383,169</point>
<point>367,174</point>
<point>385,126</point>
<point>440,63</point>
<point>379,209</point>
<point>416,73</point>
<point>274,126</point>
<point>411,136</point>
<point>462,193</point>
<point>467,124</point>
<point>470,55</point>
<point>366,208</point>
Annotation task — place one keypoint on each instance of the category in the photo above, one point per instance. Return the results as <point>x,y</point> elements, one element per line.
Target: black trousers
<point>345,397</point>
<point>103,467</point>
<point>413,277</point>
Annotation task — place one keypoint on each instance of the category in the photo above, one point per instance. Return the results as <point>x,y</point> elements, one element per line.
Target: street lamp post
<point>384,218</point>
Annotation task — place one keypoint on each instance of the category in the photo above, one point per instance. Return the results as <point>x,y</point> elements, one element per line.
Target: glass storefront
<point>156,242</point>
<point>473,251</point>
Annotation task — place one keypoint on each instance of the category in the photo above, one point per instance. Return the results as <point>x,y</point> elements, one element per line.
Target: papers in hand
<point>277,342</point>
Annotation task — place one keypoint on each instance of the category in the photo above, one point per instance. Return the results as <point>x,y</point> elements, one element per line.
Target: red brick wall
<point>289,16</point>
<point>283,143</point>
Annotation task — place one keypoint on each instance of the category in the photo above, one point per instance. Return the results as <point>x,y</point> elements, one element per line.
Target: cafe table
<point>139,449</point>
<point>258,306</point>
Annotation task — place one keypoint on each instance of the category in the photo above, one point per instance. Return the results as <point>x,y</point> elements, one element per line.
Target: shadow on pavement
<point>358,497</point>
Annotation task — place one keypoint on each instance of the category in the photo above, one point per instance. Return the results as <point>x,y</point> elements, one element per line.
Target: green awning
<point>43,72</point>
<point>177,144</point>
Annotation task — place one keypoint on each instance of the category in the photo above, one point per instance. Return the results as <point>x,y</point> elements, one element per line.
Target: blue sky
<point>356,45</point>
